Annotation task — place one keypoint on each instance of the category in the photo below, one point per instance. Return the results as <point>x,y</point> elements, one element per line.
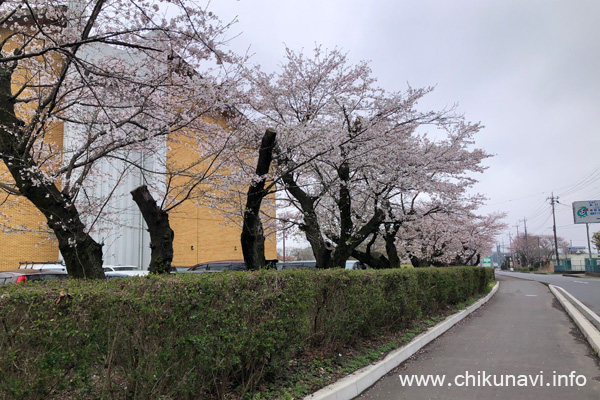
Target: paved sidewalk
<point>522,331</point>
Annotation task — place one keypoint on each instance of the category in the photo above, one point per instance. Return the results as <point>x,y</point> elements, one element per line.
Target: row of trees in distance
<point>538,250</point>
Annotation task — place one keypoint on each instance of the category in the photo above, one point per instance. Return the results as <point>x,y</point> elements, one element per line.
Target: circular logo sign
<point>582,212</point>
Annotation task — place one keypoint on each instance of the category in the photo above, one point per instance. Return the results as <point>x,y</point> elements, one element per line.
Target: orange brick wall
<point>200,237</point>
<point>30,246</point>
<point>200,234</point>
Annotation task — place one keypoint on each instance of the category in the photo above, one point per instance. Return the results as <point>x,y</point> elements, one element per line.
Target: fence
<point>578,265</point>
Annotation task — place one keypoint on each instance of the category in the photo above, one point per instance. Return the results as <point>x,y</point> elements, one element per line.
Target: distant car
<point>354,264</point>
<point>48,265</point>
<point>296,265</point>
<point>201,271</point>
<point>231,265</point>
<point>30,275</point>
<point>130,270</point>
<point>178,269</point>
<point>113,274</point>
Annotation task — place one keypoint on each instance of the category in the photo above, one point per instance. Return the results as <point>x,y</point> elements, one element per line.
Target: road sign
<point>586,212</point>
<point>575,248</point>
<point>487,261</point>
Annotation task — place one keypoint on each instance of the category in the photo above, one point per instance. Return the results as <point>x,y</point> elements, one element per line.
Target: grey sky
<point>527,69</point>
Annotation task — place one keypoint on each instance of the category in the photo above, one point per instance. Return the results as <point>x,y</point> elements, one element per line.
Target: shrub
<point>194,336</point>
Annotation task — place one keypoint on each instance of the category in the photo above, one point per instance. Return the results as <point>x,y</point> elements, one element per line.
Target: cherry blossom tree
<point>347,150</point>
<point>119,76</point>
<point>536,250</point>
<point>427,177</point>
<point>458,237</point>
<point>296,104</point>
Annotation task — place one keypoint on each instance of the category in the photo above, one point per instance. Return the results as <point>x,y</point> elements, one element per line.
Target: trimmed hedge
<point>194,336</point>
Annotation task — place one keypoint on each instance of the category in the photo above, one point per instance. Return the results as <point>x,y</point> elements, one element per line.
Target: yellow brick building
<point>200,234</point>
<point>18,245</point>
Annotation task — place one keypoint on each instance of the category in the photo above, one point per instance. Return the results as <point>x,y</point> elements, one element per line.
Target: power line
<point>588,180</point>
<point>541,225</point>
<point>518,198</point>
<point>539,211</point>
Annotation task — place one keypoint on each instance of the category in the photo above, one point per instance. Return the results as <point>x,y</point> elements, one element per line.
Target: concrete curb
<point>354,384</point>
<point>587,329</point>
<point>582,307</point>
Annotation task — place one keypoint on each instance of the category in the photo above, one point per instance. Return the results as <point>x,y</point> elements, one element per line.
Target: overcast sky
<point>527,69</point>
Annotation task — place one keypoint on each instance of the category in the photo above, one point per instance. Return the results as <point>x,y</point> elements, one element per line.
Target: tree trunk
<point>417,262</point>
<point>161,234</point>
<point>84,259</point>
<point>311,227</point>
<point>82,254</point>
<point>391,231</point>
<point>392,251</point>
<point>345,247</point>
<point>253,238</point>
<point>349,240</point>
<point>367,258</point>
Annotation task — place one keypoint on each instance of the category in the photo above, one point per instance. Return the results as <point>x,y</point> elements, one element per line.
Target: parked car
<point>353,264</point>
<point>296,265</point>
<point>200,271</point>
<point>48,265</point>
<point>113,274</point>
<point>350,264</point>
<point>176,270</point>
<point>30,275</point>
<point>130,270</point>
<point>230,265</point>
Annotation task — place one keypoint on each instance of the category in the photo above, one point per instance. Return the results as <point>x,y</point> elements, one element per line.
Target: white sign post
<point>587,212</point>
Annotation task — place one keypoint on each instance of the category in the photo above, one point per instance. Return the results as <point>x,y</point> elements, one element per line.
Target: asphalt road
<point>522,332</point>
<point>586,290</point>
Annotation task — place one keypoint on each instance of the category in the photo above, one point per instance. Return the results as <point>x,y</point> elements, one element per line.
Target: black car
<point>234,265</point>
<point>296,265</point>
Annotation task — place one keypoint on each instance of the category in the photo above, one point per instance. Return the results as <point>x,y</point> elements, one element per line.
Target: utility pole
<point>552,201</point>
<point>587,227</point>
<point>512,257</point>
<point>504,254</point>
<point>518,247</point>
<point>284,259</point>
<point>526,247</point>
<point>498,255</point>
<point>539,253</point>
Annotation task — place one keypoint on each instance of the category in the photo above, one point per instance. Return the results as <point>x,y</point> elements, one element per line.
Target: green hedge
<point>194,336</point>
